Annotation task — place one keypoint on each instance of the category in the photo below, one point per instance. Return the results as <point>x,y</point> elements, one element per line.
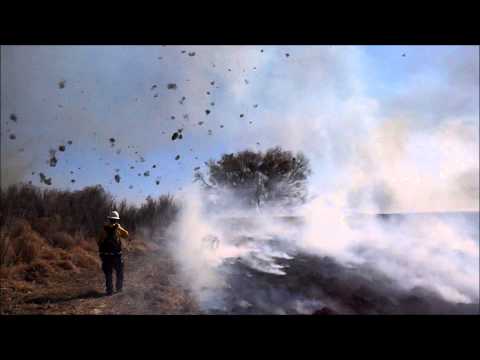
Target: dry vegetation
<point>48,240</point>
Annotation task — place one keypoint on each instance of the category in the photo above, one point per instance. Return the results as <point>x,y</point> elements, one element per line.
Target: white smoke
<point>395,169</point>
<point>421,251</point>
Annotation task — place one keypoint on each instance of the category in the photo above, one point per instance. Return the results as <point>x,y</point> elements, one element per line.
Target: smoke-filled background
<point>391,129</point>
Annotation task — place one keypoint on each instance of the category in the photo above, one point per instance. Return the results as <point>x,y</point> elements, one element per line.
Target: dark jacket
<point>109,242</point>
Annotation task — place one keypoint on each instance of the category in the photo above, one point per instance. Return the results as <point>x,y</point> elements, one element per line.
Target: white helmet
<point>114,215</point>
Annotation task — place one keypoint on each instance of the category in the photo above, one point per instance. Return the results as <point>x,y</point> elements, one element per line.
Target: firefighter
<point>110,249</point>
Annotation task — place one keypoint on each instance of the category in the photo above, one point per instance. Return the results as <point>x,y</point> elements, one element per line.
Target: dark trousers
<point>109,264</point>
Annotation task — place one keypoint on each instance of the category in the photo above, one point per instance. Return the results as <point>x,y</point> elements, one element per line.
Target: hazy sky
<point>396,120</point>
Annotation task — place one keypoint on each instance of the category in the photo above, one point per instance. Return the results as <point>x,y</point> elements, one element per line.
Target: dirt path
<point>151,287</point>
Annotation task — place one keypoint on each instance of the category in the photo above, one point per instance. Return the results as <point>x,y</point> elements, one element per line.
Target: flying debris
<point>184,51</point>
<point>132,167</point>
<point>404,55</point>
<point>221,126</point>
<point>200,122</point>
<point>117,170</point>
<point>246,81</point>
<point>172,86</point>
<point>117,178</point>
<point>177,157</point>
<point>229,69</point>
<point>71,172</point>
<point>69,142</point>
<point>209,132</point>
<point>13,117</point>
<point>185,116</point>
<point>212,83</point>
<point>180,136</point>
<point>155,96</point>
<point>72,181</point>
<point>139,174</point>
<point>44,179</point>
<point>146,173</point>
<point>153,87</point>
<point>255,106</point>
<point>172,117</point>
<point>130,187</point>
<point>241,115</point>
<point>53,159</point>
<point>182,100</point>
<point>212,104</point>
<point>61,84</point>
<point>287,55</point>
<point>191,53</point>
<point>261,50</point>
<point>112,141</point>
<point>12,137</point>
<point>157,182</point>
<point>207,111</point>
<point>197,168</point>
<point>61,148</point>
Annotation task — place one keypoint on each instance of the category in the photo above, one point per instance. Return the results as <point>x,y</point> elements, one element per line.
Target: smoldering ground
<point>349,263</point>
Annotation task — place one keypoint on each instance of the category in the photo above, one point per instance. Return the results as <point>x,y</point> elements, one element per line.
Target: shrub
<point>63,254</point>
<point>48,253</point>
<point>18,227</point>
<point>66,265</point>
<point>37,271</point>
<point>19,243</point>
<point>83,212</point>
<point>61,240</point>
<point>7,253</point>
<point>83,259</point>
<point>46,225</point>
<point>27,247</point>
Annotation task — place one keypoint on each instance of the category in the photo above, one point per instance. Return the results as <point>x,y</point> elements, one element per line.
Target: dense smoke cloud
<point>257,262</point>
